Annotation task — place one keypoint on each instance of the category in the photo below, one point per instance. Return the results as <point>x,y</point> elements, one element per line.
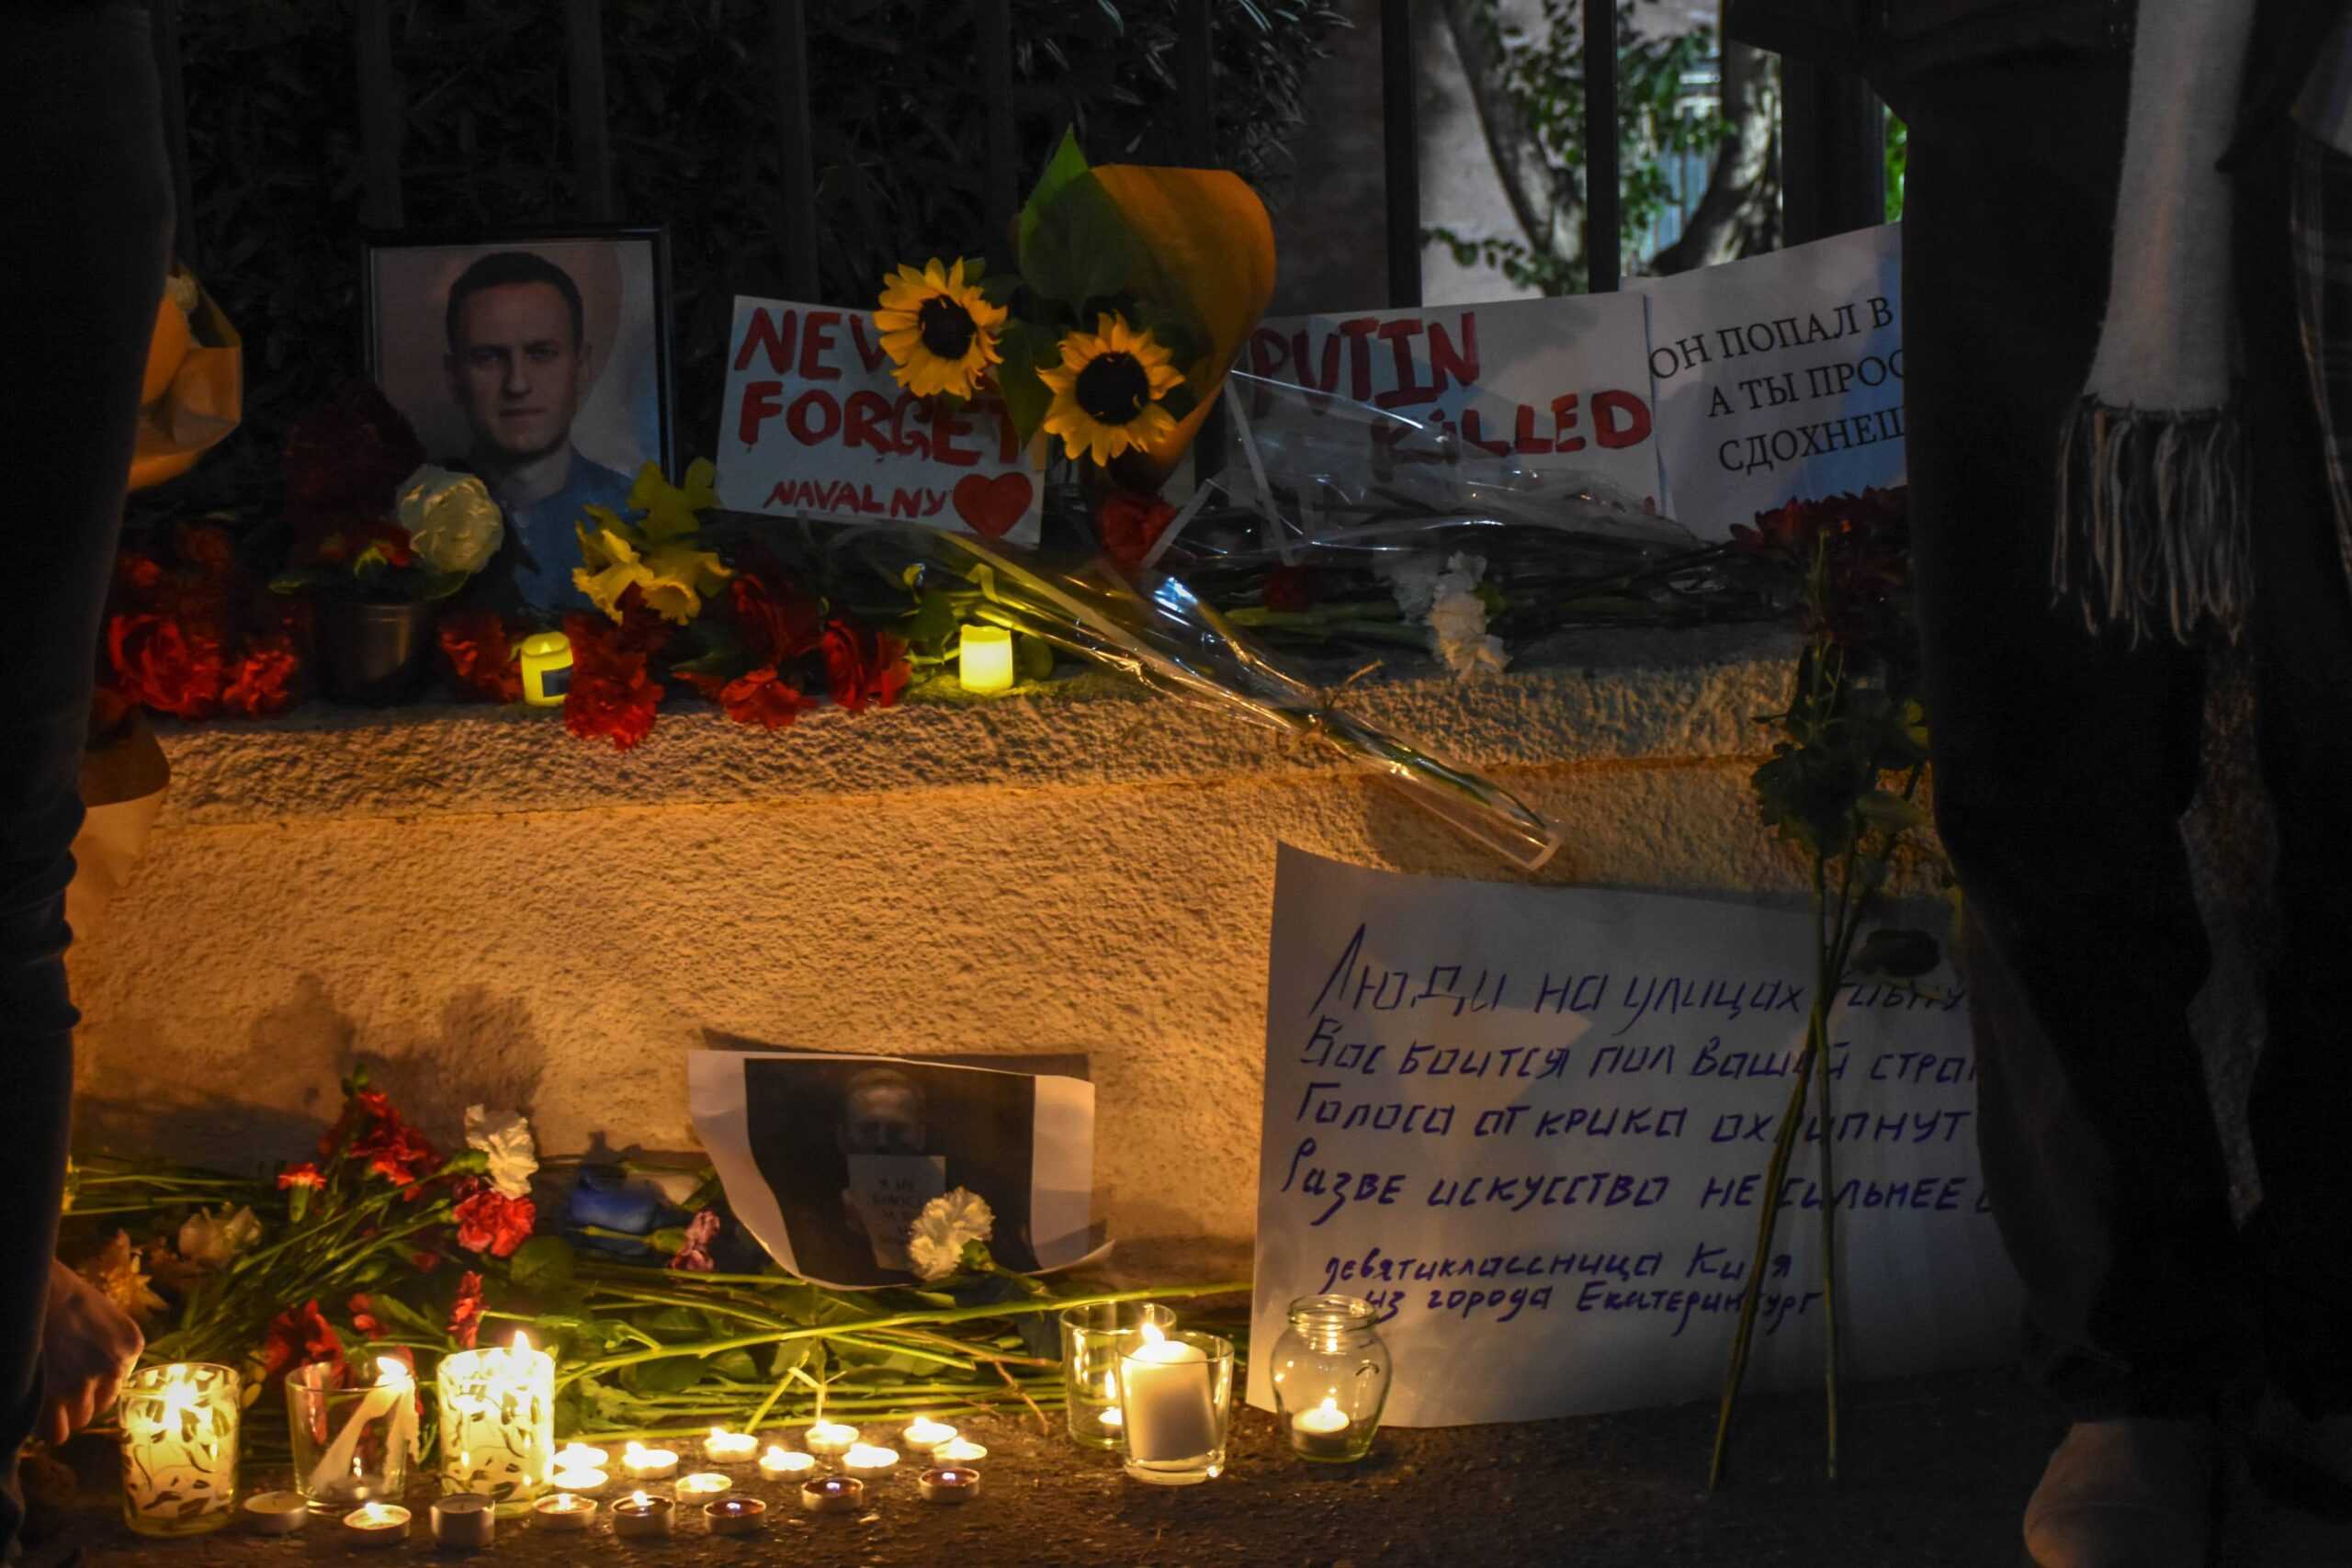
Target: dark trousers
<point>2064,762</point>
<point>86,204</point>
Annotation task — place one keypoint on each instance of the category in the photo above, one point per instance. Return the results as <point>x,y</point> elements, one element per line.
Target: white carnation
<point>506,1139</point>
<point>935,1241</point>
<point>451,520</point>
<point>1413,579</point>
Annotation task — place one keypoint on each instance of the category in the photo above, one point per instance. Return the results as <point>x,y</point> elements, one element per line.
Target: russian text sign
<point>1779,377</point>
<point>1532,1124</point>
<point>813,425</point>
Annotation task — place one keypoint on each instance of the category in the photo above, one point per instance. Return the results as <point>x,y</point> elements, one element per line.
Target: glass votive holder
<point>1331,1375</point>
<point>498,1423</point>
<point>180,1448</point>
<point>1090,1371</point>
<point>351,1445</point>
<point>1175,1399</point>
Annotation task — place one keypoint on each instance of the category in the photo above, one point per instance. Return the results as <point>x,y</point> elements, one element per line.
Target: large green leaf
<point>543,1263</point>
<point>1080,248</point>
<point>1067,163</point>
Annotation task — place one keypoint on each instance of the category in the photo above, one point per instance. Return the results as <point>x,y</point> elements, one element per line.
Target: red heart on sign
<point>990,506</point>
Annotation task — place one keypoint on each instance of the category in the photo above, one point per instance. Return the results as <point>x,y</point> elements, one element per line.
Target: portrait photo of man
<point>540,366</point>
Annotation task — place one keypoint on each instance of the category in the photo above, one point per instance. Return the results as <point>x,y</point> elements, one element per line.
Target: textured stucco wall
<point>483,909</point>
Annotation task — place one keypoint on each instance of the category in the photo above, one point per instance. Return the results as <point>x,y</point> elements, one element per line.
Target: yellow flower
<point>668,510</point>
<point>674,575</point>
<point>937,329</point>
<point>117,1274</point>
<point>1107,394</point>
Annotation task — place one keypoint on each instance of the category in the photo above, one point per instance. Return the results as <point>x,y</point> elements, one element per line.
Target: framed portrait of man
<point>539,360</point>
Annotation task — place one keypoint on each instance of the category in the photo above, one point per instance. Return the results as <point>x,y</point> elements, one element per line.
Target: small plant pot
<point>374,655</point>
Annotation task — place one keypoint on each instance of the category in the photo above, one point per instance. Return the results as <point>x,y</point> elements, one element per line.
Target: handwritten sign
<point>1779,377</point>
<point>1532,1124</point>
<point>1538,386</point>
<point>814,426</point>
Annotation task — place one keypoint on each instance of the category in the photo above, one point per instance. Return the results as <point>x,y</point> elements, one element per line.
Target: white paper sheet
<point>1603,1073</point>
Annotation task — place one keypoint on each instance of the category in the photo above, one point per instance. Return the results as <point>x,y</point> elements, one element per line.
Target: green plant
<point>1530,83</point>
<point>1898,162</point>
<point>896,143</point>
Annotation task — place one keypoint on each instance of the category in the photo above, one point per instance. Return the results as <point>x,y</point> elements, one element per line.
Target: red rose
<point>465,1313</point>
<point>611,695</point>
<point>160,665</point>
<point>778,622</point>
<point>863,666</point>
<point>1131,525</point>
<point>259,682</point>
<point>349,454</point>
<point>491,1222</point>
<point>1290,589</point>
<point>762,697</point>
<point>479,657</point>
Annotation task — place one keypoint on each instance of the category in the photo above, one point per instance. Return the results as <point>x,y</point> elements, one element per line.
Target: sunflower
<point>938,330</point>
<point>1107,394</point>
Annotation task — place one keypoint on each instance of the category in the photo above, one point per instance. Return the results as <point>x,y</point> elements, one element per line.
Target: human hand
<point>87,1347</point>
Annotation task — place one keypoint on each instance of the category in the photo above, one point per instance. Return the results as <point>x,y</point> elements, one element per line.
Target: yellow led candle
<point>547,669</point>
<point>985,663</point>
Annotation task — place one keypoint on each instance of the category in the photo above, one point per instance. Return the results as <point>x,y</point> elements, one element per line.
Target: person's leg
<point>82,263</point>
<point>2302,1086</point>
<point>2062,762</point>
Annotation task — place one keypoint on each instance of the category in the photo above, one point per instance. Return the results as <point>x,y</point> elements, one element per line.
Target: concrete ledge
<point>1579,697</point>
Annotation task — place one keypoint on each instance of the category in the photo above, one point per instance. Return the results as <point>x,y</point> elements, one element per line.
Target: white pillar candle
<point>641,1463</point>
<point>1168,1399</point>
<point>784,1465</point>
<point>498,1422</point>
<point>923,1433</point>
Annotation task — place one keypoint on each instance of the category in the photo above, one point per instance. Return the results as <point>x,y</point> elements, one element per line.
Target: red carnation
<point>863,666</point>
<point>479,657</point>
<point>300,1337</point>
<point>363,1317</point>
<point>303,1175</point>
<point>491,1222</point>
<point>763,698</point>
<point>260,680</point>
<point>162,665</point>
<point>390,1148</point>
<point>465,1313</point>
<point>611,695</point>
<point>778,622</point>
<point>1131,525</point>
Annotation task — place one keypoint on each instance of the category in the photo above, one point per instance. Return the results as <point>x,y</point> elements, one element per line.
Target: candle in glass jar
<point>735,1516</point>
<point>498,1422</point>
<point>1322,1430</point>
<point>830,1437</point>
<point>565,1511</point>
<point>1168,1401</point>
<point>376,1524</point>
<point>180,1448</point>
<point>640,1516</point>
<point>958,1451</point>
<point>723,1447</point>
<point>925,1434</point>
<point>641,1463</point>
<point>784,1465</point>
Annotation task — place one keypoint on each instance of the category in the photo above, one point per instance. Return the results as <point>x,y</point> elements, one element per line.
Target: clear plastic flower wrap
<point>1167,638</point>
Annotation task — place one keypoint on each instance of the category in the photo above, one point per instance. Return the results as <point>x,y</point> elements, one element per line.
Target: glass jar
<point>1090,1336</point>
<point>180,1448</point>
<point>352,1445</point>
<point>1331,1375</point>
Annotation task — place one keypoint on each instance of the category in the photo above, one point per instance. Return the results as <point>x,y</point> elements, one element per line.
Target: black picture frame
<point>375,318</point>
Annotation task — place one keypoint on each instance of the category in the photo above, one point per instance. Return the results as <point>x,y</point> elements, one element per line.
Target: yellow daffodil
<point>937,329</point>
<point>673,575</point>
<point>117,1273</point>
<point>667,510</point>
<point>1107,393</point>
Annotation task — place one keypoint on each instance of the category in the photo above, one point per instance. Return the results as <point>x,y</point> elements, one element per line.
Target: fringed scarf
<point>2153,503</point>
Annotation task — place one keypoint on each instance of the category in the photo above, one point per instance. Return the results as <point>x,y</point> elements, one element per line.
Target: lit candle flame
<point>392,1372</point>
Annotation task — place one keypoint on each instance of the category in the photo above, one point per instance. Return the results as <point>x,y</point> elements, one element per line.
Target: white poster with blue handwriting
<point>1532,1125</point>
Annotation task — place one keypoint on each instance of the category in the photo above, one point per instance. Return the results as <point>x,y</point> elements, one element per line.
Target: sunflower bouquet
<point>1133,290</point>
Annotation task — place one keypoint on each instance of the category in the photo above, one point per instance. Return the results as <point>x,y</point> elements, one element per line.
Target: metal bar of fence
<point>381,116</point>
<point>999,196</point>
<point>591,134</point>
<point>1402,148</point>
<point>1195,83</point>
<point>169,71</point>
<point>1833,158</point>
<point>798,216</point>
<point>1602,262</point>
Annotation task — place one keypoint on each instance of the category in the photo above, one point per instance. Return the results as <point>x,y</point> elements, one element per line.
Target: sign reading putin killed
<point>814,425</point>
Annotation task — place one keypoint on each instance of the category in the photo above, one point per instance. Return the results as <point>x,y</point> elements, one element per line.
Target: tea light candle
<point>277,1513</point>
<point>638,1517</point>
<point>580,1456</point>
<point>830,1437</point>
<point>949,1483</point>
<point>582,1482</point>
<point>833,1494</point>
<point>958,1451</point>
<point>926,1434</point>
<point>1322,1431</point>
<point>735,1516</point>
<point>865,1460</point>
<point>984,659</point>
<point>464,1521</point>
<point>565,1511</point>
<point>376,1524</point>
<point>1168,1409</point>
<point>784,1465</point>
<point>642,1463</point>
<point>702,1483</point>
<point>723,1447</point>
